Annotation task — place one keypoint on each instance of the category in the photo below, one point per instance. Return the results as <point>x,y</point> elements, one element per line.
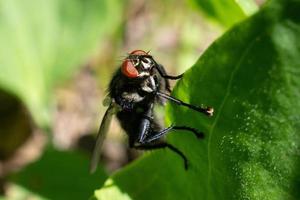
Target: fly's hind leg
<point>162,145</point>
<point>148,142</point>
<point>156,135</point>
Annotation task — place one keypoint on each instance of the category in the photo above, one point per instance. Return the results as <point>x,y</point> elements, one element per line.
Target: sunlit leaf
<point>251,76</point>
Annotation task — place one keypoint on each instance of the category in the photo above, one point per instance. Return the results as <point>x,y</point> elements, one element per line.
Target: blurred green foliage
<point>60,175</point>
<point>226,12</point>
<point>251,150</point>
<point>18,192</point>
<point>44,42</point>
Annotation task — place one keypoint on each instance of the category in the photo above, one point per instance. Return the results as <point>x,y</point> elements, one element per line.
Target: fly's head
<point>138,64</point>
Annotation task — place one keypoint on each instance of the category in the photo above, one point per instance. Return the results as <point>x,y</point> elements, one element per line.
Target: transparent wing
<point>111,110</point>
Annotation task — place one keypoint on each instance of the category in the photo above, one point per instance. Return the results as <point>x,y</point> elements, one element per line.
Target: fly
<point>136,86</point>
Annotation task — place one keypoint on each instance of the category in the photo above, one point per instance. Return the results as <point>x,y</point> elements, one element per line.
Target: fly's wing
<point>111,110</point>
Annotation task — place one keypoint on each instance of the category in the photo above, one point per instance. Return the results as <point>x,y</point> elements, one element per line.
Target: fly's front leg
<point>163,73</point>
<point>205,110</point>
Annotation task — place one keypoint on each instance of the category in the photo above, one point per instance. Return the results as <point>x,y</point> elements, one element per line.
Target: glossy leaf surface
<point>251,76</point>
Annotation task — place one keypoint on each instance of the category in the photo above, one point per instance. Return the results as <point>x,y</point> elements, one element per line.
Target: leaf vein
<point>228,90</point>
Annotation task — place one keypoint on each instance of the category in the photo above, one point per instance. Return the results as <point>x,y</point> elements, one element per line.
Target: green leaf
<point>60,175</point>
<point>226,12</point>
<point>251,76</point>
<point>44,42</point>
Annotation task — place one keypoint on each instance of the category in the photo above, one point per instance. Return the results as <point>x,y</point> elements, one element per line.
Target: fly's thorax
<point>149,85</point>
<point>132,96</point>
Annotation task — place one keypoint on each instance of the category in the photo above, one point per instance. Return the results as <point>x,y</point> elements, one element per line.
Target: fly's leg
<point>162,145</point>
<point>161,70</point>
<point>163,73</point>
<point>198,134</point>
<point>159,134</point>
<point>143,129</point>
<point>207,110</point>
<point>145,124</point>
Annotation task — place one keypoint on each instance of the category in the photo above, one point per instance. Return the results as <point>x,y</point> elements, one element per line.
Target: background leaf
<point>17,192</point>
<point>226,12</point>
<point>251,150</point>
<point>60,175</point>
<point>45,41</point>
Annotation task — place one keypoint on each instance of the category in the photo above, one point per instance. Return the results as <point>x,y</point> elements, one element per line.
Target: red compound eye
<point>139,53</point>
<point>129,70</point>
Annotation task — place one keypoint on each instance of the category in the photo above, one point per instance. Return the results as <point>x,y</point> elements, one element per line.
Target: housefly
<point>136,86</point>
